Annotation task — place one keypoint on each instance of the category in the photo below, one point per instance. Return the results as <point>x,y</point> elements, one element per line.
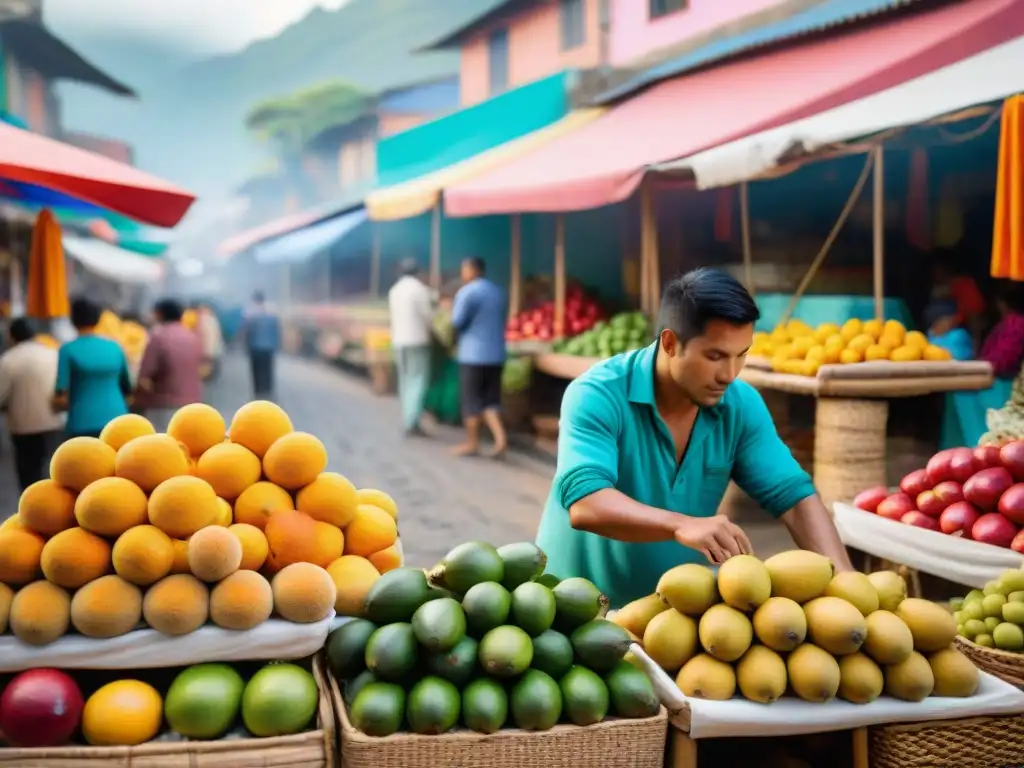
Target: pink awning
<point>34,159</point>
<point>603,163</point>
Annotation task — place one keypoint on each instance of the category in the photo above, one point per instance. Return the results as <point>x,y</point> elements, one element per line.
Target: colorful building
<point>517,42</point>
<point>32,59</point>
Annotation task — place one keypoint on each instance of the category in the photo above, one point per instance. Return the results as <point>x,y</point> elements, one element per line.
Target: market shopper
<point>171,373</point>
<point>93,383</point>
<point>261,332</point>
<point>213,340</point>
<point>411,312</point>
<point>28,373</point>
<point>649,440</point>
<point>478,319</point>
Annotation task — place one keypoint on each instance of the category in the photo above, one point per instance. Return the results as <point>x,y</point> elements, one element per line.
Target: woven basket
<point>1008,667</point>
<point>980,742</point>
<point>312,749</point>
<point>609,744</point>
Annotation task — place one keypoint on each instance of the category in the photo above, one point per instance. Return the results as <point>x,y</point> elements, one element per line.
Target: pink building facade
<point>543,39</point>
<point>640,28</point>
<point>526,40</point>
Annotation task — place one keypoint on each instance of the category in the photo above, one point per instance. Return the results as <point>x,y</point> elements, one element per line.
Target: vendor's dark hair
<point>478,264</point>
<point>84,313</point>
<point>169,310</point>
<point>693,300</point>
<point>22,329</point>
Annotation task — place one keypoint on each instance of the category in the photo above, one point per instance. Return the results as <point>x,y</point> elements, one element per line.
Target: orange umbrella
<point>1008,232</point>
<point>47,293</point>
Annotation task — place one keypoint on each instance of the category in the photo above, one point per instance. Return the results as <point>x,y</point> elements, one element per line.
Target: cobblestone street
<point>442,499</point>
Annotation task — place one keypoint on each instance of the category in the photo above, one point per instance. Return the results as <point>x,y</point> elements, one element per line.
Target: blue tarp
<point>825,15</point>
<point>303,244</point>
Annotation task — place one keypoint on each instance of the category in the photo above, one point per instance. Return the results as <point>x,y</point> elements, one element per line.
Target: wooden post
<point>650,268</point>
<point>374,260</point>
<point>435,248</point>
<point>559,276</point>
<point>748,256</point>
<point>516,275</point>
<point>645,261</point>
<point>879,233</point>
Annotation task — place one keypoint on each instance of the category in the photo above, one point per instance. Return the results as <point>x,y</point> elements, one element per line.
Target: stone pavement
<point>442,500</point>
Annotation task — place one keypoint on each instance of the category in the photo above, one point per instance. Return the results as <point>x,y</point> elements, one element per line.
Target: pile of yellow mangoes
<point>797,348</point>
<point>130,335</point>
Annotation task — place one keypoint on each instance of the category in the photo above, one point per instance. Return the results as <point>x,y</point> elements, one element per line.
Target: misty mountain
<point>188,124</point>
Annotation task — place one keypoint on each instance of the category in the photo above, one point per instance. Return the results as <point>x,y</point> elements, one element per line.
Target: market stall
<point>166,597</point>
<point>762,651</point>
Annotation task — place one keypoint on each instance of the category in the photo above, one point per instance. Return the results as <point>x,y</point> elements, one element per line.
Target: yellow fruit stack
<point>799,349</point>
<point>791,623</point>
<point>130,335</point>
<point>174,530</point>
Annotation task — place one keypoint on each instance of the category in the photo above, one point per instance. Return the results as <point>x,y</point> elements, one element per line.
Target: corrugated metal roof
<point>828,14</point>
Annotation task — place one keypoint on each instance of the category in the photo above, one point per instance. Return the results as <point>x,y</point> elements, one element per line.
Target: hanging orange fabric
<point>1008,229</point>
<point>47,293</point>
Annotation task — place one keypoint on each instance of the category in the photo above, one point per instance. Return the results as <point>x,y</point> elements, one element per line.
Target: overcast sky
<point>209,25</point>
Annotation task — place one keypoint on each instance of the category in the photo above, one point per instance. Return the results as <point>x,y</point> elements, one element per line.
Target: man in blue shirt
<point>478,319</point>
<point>261,330</point>
<point>649,440</point>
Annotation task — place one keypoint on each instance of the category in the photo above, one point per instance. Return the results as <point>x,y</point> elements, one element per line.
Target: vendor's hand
<point>717,538</point>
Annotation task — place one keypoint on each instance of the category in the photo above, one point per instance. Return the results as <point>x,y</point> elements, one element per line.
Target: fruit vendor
<point>649,441</point>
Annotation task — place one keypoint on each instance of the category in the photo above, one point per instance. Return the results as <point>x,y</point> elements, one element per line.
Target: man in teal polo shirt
<point>649,440</point>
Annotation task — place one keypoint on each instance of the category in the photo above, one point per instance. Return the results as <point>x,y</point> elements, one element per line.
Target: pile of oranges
<point>799,349</point>
<point>179,529</point>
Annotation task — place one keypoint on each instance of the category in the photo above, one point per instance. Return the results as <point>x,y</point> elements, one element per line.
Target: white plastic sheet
<point>948,557</point>
<point>148,649</point>
<point>792,717</point>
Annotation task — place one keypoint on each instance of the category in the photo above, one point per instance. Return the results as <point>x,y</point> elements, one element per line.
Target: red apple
<point>984,488</point>
<point>870,499</point>
<point>950,492</point>
<point>1011,504</point>
<point>961,464</point>
<point>959,518</point>
<point>894,507</point>
<point>916,483</point>
<point>930,504</point>
<point>938,467</point>
<point>994,529</point>
<point>1017,545</point>
<point>1012,457</point>
<point>40,708</point>
<point>986,456</point>
<point>920,520</point>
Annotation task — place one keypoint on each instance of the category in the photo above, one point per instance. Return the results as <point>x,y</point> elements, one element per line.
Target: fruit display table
<point>148,581</point>
<point>948,557</point>
<point>787,647</point>
<point>852,411</point>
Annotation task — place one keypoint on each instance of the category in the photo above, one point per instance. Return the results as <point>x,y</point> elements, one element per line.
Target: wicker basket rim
<point>1016,659</point>
<point>323,735</point>
<point>351,734</point>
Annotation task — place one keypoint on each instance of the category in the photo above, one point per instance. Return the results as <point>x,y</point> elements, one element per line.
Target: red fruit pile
<point>581,313</point>
<point>974,493</point>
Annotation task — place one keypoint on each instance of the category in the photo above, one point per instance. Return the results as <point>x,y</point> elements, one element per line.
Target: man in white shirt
<point>411,309</point>
<point>213,340</point>
<point>28,375</point>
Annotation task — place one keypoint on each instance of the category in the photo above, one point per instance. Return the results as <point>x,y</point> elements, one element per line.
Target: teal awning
<point>468,132</point>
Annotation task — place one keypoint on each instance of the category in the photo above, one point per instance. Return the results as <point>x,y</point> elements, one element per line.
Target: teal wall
<point>468,132</point>
<point>593,243</point>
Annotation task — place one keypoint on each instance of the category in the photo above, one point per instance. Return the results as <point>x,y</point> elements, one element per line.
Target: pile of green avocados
<point>486,640</point>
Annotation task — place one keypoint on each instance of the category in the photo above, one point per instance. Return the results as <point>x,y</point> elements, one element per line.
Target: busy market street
<point>512,384</point>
